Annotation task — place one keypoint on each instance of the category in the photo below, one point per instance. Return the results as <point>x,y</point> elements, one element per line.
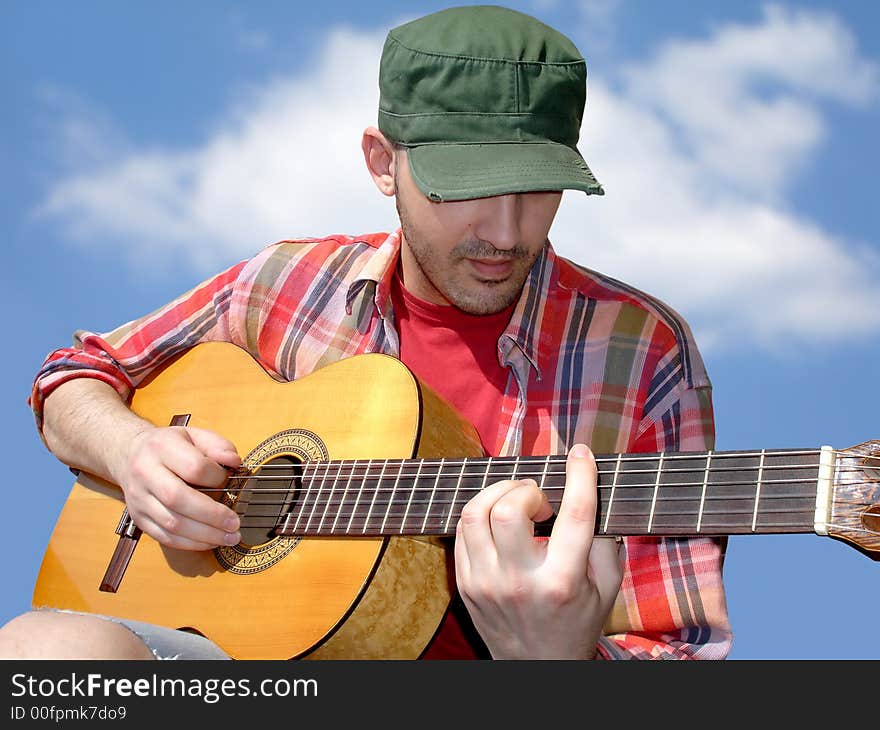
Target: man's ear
<point>380,158</point>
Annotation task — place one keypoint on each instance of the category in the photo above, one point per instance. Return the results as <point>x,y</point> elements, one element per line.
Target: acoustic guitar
<point>351,484</point>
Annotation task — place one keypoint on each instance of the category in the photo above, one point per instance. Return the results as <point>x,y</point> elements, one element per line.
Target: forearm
<point>86,425</point>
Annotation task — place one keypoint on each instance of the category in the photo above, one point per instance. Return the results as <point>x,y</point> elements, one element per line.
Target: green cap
<point>488,101</point>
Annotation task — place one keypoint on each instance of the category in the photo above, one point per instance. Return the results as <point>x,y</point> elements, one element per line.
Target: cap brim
<point>446,172</point>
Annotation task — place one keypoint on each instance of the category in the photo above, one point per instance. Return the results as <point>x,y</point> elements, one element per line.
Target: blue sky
<point>146,146</point>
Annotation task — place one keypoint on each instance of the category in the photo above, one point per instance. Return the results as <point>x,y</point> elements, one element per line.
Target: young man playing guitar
<point>479,119</point>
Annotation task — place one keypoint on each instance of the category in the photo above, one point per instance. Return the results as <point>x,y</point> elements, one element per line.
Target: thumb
<point>606,567</point>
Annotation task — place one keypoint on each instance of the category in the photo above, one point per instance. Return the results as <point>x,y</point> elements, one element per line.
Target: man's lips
<point>493,269</point>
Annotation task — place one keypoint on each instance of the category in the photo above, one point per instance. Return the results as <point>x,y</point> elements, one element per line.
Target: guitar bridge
<point>129,534</point>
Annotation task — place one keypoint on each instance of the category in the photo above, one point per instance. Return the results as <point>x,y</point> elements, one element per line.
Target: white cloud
<point>286,163</point>
<point>744,100</point>
<point>696,150</point>
<point>696,155</point>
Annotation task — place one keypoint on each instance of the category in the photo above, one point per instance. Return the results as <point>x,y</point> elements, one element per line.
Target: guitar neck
<point>693,493</point>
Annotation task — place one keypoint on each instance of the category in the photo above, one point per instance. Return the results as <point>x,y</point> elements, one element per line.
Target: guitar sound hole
<point>871,465</point>
<point>871,519</point>
<point>266,498</point>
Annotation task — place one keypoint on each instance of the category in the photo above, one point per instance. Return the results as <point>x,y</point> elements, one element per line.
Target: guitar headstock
<point>855,504</point>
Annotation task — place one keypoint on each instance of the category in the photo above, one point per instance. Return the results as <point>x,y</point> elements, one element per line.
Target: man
<point>479,119</point>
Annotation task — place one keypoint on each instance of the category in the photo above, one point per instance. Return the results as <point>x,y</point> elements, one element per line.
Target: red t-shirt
<point>456,354</point>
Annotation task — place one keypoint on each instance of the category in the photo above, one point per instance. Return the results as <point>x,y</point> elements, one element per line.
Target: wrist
<point>126,443</point>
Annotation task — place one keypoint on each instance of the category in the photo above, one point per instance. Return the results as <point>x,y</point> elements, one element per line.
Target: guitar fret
<point>373,500</point>
<point>611,497</point>
<point>544,472</point>
<point>300,507</point>
<point>308,499</point>
<point>341,501</point>
<point>433,492</point>
<point>632,496</point>
<point>360,491</point>
<point>787,485</point>
<point>452,511</point>
<point>412,491</point>
<point>329,501</point>
<point>391,498</point>
<point>730,501</point>
<point>705,488</point>
<point>468,487</point>
<point>486,474</point>
<point>654,498</point>
<point>663,493</point>
<point>758,491</point>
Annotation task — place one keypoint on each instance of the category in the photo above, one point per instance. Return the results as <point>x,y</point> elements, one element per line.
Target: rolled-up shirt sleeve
<point>128,354</point>
<point>672,602</point>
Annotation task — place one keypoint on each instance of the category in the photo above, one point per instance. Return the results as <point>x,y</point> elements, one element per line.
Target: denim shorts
<point>165,643</point>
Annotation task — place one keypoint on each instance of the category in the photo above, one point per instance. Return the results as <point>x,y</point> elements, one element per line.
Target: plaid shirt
<point>590,359</point>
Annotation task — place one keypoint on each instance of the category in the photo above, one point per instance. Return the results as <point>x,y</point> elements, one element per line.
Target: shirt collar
<point>522,332</point>
<point>378,272</point>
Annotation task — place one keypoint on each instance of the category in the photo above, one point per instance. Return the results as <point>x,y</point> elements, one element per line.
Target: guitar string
<point>468,492</point>
<point>394,509</point>
<point>437,486</point>
<point>479,468</point>
<point>387,510</point>
<point>537,461</point>
<point>360,525</point>
<point>541,464</point>
<point>851,528</point>
<point>709,530</point>
<point>465,497</point>
<point>336,497</point>
<point>367,515</point>
<point>636,456</point>
<point>627,489</point>
<point>609,459</point>
<point>340,497</point>
<point>365,478</point>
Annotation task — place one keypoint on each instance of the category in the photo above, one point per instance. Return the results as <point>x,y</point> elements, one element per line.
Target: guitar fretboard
<point>700,493</point>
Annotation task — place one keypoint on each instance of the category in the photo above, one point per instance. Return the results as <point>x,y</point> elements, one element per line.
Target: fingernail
<point>231,524</point>
<point>579,451</point>
<point>233,538</point>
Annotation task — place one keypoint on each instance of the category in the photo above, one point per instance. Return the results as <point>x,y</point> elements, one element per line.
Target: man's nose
<point>499,222</point>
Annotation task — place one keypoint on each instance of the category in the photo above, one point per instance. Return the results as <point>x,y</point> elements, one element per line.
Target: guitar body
<point>274,597</point>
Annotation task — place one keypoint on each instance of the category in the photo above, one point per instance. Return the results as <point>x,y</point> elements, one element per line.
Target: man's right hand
<point>160,473</point>
<point>159,468</point>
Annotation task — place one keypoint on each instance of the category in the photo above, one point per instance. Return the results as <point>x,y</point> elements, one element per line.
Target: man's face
<point>475,254</point>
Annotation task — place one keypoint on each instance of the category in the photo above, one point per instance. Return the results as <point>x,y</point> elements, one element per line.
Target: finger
<point>174,495</point>
<point>163,537</point>
<point>179,525</point>
<point>512,519</point>
<point>186,457</point>
<point>572,532</point>
<point>214,446</point>
<point>475,521</point>
<point>462,559</point>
